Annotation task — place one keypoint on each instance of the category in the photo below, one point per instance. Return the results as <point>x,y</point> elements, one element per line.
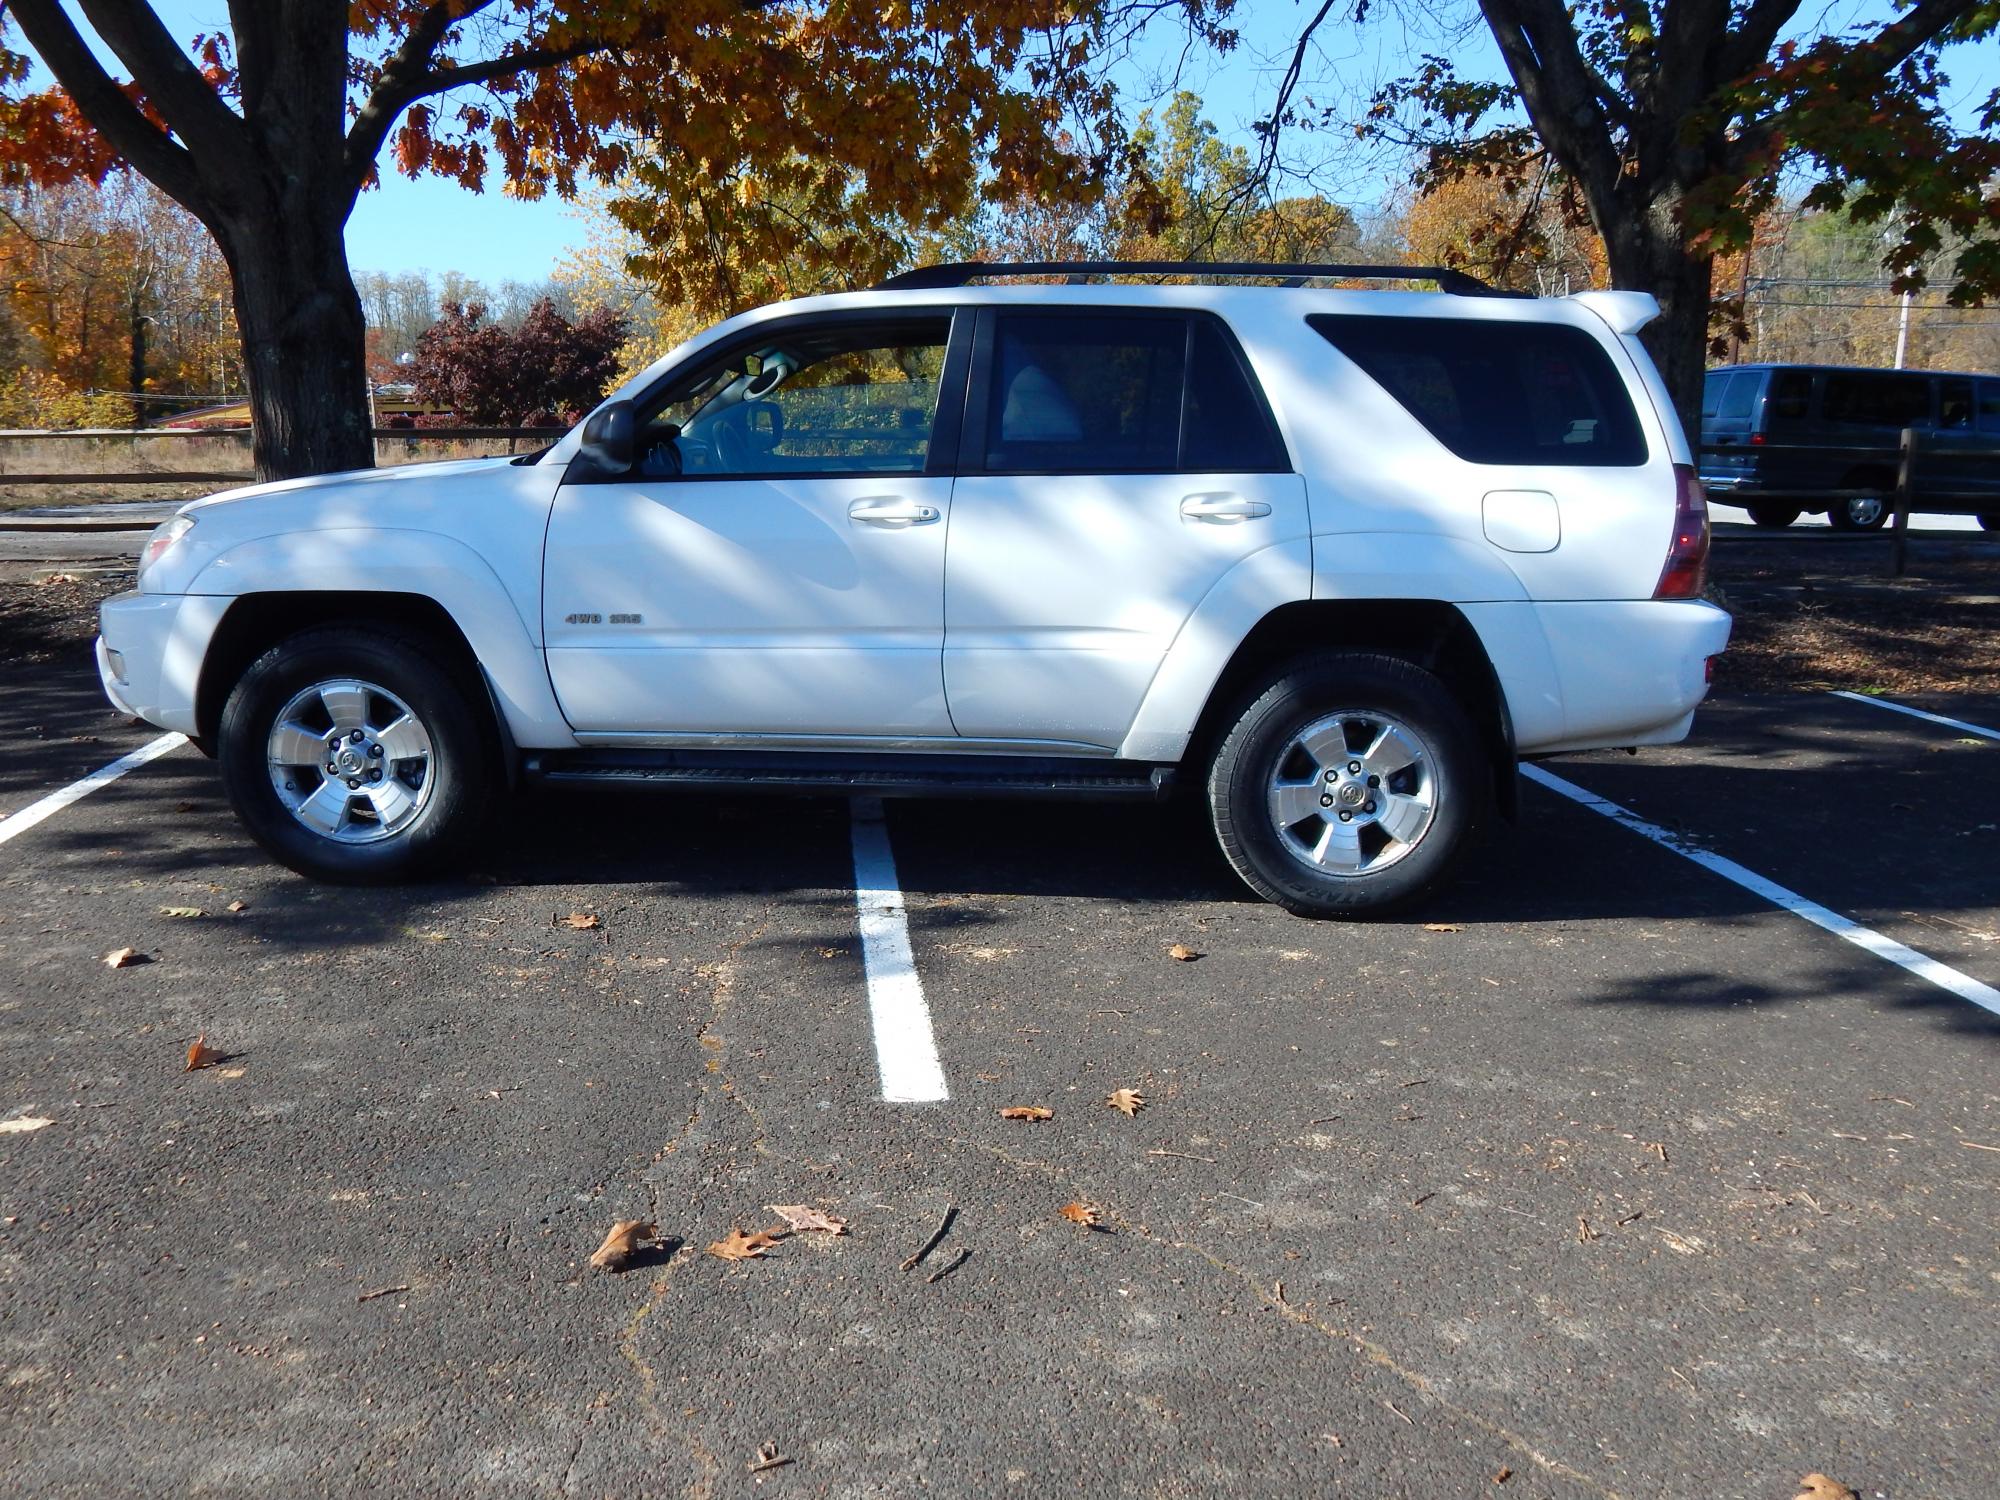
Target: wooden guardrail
<point>1906,495</point>
<point>410,435</point>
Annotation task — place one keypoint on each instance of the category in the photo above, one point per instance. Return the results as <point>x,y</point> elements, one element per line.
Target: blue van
<point>1749,408</point>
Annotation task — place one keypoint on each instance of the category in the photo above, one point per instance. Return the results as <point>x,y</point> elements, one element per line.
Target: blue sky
<point>435,225</point>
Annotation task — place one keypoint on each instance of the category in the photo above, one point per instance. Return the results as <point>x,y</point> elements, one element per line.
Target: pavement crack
<point>1374,1353</point>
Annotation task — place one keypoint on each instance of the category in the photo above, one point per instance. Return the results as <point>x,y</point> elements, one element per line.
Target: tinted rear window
<point>1498,392</point>
<point>1227,429</point>
<point>1742,396</point>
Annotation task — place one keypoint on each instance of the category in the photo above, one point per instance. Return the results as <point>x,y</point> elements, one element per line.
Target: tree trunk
<point>1648,252</point>
<point>304,348</point>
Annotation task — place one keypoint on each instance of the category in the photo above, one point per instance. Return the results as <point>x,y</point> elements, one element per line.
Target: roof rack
<point>958,273</point>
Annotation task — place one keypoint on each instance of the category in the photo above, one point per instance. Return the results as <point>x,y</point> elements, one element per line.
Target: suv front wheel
<point>352,756</point>
<point>1348,786</point>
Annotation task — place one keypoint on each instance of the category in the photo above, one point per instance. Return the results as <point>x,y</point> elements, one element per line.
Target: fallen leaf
<point>183,807</point>
<point>183,912</point>
<point>201,1055</point>
<point>768,1457</point>
<point>1126,1101</point>
<point>1027,1112</point>
<point>799,1216</point>
<point>55,578</point>
<point>619,1246</point>
<point>580,921</point>
<point>1503,1476</point>
<point>239,906</point>
<point>23,1124</point>
<point>741,1246</point>
<point>125,958</point>
<point>1442,927</point>
<point>1079,1213</point>
<point>1182,953</point>
<point>1819,1487</point>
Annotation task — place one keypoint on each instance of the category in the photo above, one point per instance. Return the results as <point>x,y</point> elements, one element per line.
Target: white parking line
<point>55,802</point>
<point>905,1050</point>
<point>1943,976</point>
<point>1917,713</point>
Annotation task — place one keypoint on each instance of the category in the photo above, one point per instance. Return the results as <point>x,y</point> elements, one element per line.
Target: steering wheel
<point>745,435</point>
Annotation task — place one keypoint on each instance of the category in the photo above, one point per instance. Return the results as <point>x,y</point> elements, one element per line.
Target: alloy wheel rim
<point>1352,792</point>
<point>350,761</point>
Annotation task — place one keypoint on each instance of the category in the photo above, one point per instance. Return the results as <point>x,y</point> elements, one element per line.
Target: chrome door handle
<point>1222,508</point>
<point>891,510</point>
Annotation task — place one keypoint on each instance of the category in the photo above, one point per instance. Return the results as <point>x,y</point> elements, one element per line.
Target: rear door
<point>1116,464</point>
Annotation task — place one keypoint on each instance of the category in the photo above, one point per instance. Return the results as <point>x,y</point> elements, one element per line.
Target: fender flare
<point>429,565</point>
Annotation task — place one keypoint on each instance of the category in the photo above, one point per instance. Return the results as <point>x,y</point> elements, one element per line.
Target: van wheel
<point>1777,517</point>
<point>352,756</point>
<point>1348,786</point>
<point>1862,512</point>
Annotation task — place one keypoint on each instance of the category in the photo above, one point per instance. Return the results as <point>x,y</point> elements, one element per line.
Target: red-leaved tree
<point>547,370</point>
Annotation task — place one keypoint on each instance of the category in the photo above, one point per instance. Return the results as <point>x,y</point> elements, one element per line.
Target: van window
<point>1742,396</point>
<point>1498,392</point>
<point>1989,406</point>
<point>1790,399</point>
<point>1955,404</point>
<point>1712,387</point>
<point>1866,399</point>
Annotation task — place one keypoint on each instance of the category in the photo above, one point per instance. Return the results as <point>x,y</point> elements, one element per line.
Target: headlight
<point>161,542</point>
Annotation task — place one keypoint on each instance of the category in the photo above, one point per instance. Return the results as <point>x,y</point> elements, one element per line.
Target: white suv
<point>1335,557</point>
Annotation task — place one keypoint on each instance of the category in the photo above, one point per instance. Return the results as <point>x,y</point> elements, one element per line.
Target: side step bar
<point>879,775</point>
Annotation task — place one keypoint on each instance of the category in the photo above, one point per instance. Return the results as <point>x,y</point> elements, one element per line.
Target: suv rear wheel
<point>1347,786</point>
<point>353,756</point>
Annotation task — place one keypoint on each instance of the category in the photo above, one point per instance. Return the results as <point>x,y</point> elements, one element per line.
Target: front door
<point>1116,464</point>
<point>774,564</point>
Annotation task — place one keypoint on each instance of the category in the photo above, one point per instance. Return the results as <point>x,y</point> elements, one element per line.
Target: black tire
<point>1863,513</point>
<point>1263,734</point>
<point>457,781</point>
<point>1776,517</point>
<point>1990,521</point>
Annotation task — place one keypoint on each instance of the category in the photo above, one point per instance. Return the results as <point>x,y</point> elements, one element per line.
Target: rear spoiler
<point>1626,312</point>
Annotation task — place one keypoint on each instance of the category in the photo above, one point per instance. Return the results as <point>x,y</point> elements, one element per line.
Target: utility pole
<point>1903,331</point>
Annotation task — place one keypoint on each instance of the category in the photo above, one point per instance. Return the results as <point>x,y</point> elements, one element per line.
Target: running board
<point>879,775</point>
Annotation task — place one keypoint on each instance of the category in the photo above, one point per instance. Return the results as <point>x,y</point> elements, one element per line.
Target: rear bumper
<point>149,653</point>
<point>1630,672</point>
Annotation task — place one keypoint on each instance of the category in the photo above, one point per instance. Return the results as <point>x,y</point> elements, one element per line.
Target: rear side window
<point>1864,399</point>
<point>1085,395</point>
<point>1227,429</point>
<point>1498,393</point>
<point>1108,393</point>
<point>1712,388</point>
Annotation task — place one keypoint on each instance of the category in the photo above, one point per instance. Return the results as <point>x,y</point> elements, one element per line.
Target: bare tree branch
<point>56,41</point>
<point>173,85</point>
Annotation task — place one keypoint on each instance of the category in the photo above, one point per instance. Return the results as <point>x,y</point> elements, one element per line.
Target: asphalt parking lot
<point>1604,1176</point>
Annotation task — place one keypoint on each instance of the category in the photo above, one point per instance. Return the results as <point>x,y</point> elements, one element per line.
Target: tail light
<point>1686,571</point>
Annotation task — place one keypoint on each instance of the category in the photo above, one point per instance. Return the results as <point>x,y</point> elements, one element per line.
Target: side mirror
<point>608,437</point>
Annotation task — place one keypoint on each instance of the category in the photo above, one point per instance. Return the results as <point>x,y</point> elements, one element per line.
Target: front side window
<point>1098,394</point>
<point>1497,392</point>
<point>826,400</point>
<point>1955,405</point>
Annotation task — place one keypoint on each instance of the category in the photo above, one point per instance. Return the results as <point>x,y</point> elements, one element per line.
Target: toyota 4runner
<point>1331,558</point>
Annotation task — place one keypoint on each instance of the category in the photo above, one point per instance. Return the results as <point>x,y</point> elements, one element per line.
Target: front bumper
<point>149,653</point>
